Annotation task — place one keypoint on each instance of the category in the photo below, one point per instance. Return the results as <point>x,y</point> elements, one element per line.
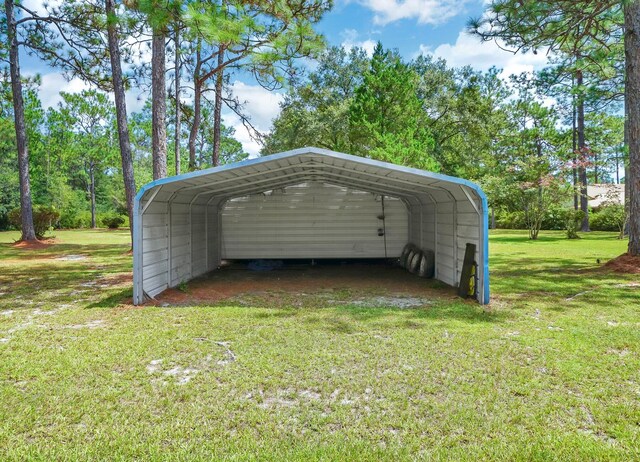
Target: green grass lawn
<point>550,371</point>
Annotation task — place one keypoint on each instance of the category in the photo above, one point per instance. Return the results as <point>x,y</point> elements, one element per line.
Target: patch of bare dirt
<point>292,285</point>
<point>625,263</point>
<point>117,279</point>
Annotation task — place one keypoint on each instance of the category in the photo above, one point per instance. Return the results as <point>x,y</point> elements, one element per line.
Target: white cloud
<point>424,11</point>
<point>469,50</point>
<point>249,144</point>
<point>53,83</point>
<point>261,105</point>
<point>350,40</point>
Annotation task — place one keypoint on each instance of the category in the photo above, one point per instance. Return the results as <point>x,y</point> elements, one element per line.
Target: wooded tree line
<point>530,141</point>
<point>74,158</point>
<point>190,46</point>
<point>515,137</point>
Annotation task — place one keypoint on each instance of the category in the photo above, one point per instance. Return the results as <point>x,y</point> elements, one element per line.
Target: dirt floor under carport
<point>363,283</point>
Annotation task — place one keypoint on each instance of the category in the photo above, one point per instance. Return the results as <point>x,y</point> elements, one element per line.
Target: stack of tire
<point>418,261</point>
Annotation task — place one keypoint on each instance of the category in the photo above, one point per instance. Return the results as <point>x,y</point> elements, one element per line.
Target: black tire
<point>414,262</point>
<point>409,257</point>
<point>405,254</point>
<point>427,264</point>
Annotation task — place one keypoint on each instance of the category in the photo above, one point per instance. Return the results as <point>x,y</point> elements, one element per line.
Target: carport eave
<point>311,150</point>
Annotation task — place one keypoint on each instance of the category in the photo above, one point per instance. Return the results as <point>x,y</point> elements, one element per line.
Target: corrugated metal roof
<point>313,164</point>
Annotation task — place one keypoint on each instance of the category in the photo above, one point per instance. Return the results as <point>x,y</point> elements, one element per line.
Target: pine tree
<point>26,207</point>
<point>589,31</point>
<point>386,116</point>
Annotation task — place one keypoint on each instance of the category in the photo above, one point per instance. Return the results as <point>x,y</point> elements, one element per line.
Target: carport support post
<point>138,268</point>
<point>483,244</point>
<point>137,253</point>
<point>455,240</point>
<point>484,251</point>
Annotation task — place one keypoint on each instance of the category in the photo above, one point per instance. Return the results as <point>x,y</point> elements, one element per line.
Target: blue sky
<point>411,26</point>
<point>404,25</point>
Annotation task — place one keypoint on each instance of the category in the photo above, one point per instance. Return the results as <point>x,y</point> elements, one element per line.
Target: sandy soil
<point>352,281</point>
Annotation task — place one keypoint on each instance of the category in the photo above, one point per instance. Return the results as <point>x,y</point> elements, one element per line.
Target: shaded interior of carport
<point>184,226</point>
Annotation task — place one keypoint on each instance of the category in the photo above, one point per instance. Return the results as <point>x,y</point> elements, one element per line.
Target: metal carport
<point>186,224</point>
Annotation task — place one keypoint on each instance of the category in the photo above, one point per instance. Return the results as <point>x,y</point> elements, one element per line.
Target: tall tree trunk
<point>625,163</point>
<point>26,209</point>
<point>197,100</point>
<point>158,105</point>
<point>121,111</point>
<point>193,134</point>
<point>92,194</point>
<point>177,92</point>
<point>217,110</point>
<point>582,168</point>
<point>632,103</point>
<point>575,147</point>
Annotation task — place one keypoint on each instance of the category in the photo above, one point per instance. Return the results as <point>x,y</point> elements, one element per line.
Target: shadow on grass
<point>467,312</point>
<point>112,300</point>
<point>550,277</point>
<point>458,310</point>
<point>94,251</point>
<point>524,239</point>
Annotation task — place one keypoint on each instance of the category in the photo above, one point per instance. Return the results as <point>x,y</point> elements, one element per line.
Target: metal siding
<point>213,236</point>
<point>198,240</point>
<point>180,247</point>
<point>154,241</point>
<point>446,251</point>
<point>460,212</point>
<point>312,220</point>
<point>428,227</point>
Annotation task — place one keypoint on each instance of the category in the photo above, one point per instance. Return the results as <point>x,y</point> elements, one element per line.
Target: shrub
<point>555,218</point>
<point>609,218</point>
<point>113,221</point>
<point>572,220</point>
<point>43,219</point>
<point>72,219</point>
<point>510,220</point>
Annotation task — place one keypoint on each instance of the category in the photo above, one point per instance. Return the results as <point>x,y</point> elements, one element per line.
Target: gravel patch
<point>72,258</point>
<point>392,302</point>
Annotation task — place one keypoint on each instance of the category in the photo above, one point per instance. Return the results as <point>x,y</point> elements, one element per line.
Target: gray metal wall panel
<point>154,252</point>
<point>180,243</point>
<point>198,240</point>
<point>213,236</point>
<point>312,220</point>
<point>445,243</point>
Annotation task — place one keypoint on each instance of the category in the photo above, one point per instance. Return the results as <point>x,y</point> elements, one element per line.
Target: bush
<point>572,221</point>
<point>510,220</point>
<point>555,218</point>
<point>113,221</point>
<point>608,218</point>
<point>43,219</point>
<point>72,219</point>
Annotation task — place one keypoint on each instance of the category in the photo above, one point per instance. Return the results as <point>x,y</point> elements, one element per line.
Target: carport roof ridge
<point>318,151</point>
